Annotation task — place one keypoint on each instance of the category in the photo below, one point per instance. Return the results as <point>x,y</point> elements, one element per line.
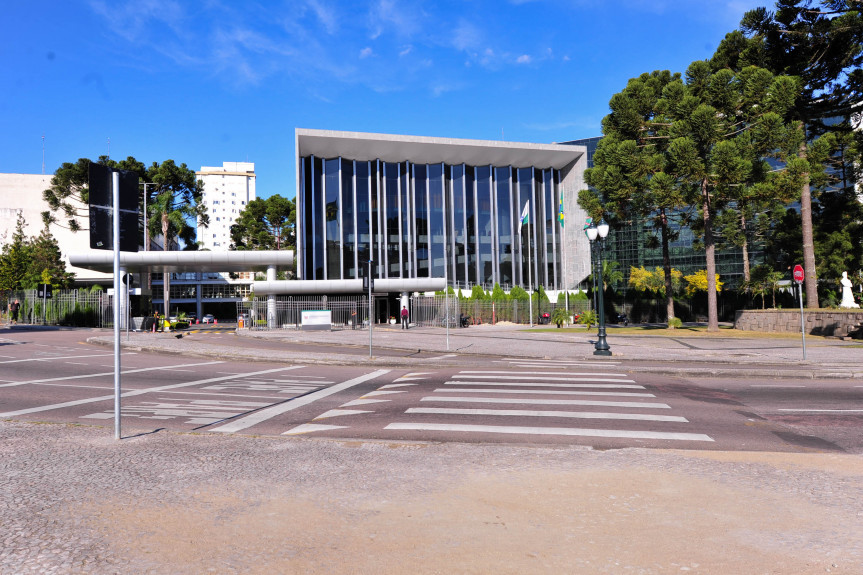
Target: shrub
<point>675,323</point>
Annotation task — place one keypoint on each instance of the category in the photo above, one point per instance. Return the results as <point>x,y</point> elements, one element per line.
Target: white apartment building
<point>227,191</point>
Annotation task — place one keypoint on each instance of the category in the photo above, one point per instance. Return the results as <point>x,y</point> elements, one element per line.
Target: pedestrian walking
<point>14,307</point>
<point>404,317</point>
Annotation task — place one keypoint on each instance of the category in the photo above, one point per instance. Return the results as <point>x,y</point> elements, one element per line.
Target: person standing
<point>14,307</point>
<point>404,317</point>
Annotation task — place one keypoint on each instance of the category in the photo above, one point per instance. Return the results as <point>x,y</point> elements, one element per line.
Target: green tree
<point>822,46</point>
<point>69,193</point>
<point>265,224</point>
<point>176,206</point>
<point>629,162</point>
<point>15,258</point>
<point>45,263</point>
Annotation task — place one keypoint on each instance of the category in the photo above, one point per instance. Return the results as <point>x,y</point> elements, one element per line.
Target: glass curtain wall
<point>429,220</point>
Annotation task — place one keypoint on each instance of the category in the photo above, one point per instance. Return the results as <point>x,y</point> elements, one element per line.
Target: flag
<point>525,214</point>
<point>560,210</point>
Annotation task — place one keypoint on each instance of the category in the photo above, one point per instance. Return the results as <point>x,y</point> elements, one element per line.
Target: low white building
<point>22,194</point>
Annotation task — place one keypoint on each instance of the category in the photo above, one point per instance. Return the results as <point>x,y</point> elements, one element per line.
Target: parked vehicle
<point>208,318</point>
<point>622,318</point>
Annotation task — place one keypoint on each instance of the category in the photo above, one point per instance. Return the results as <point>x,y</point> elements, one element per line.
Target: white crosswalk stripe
<point>499,394</point>
<point>609,406</point>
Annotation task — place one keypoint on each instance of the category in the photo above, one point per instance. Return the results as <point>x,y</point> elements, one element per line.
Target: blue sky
<point>208,81</point>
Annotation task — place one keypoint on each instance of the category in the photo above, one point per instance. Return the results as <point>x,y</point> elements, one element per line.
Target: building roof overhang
<point>424,150</point>
<point>181,262</point>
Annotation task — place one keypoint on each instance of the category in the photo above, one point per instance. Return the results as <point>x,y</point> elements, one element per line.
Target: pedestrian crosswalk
<point>520,404</point>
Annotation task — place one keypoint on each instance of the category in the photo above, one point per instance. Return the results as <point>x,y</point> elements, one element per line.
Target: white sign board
<point>316,319</point>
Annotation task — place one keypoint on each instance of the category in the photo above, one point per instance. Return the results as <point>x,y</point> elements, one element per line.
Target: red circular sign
<point>798,273</point>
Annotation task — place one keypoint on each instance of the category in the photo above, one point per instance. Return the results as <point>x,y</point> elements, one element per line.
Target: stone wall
<point>839,323</point>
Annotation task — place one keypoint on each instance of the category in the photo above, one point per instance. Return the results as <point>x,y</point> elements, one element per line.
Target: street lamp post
<point>601,230</point>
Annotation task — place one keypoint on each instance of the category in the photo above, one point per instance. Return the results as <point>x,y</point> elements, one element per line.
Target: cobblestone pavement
<point>74,500</point>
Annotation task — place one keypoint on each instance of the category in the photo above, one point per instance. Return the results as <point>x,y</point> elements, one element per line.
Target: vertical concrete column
<point>271,299</point>
<point>405,301</point>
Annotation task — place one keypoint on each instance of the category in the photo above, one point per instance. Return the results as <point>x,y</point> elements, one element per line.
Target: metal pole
<point>370,309</point>
<point>446,300</point>
<point>802,322</point>
<point>601,347</point>
<point>115,188</point>
<point>529,276</point>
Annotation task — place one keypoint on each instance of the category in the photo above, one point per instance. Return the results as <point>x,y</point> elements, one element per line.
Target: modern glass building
<point>434,207</point>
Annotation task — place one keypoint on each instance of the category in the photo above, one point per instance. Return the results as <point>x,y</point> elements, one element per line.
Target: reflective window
<point>422,219</point>
<point>503,191</point>
<point>317,232</point>
<point>459,231</point>
<point>484,224</point>
<point>349,238</point>
<point>528,255</point>
<point>391,224</point>
<point>333,219</point>
<point>437,222</point>
<point>470,218</point>
<point>364,214</point>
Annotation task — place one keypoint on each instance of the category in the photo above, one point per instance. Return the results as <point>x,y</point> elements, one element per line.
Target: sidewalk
<point>728,353</point>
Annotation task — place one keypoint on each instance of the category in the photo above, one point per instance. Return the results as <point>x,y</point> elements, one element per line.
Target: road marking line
<point>567,385</point>
<point>390,386</point>
<point>291,404</point>
<point>132,393</point>
<point>547,392</point>
<point>364,402</point>
<point>340,412</point>
<point>376,393</point>
<point>312,427</point>
<point>534,413</point>
<point>630,404</point>
<point>532,377</point>
<point>615,433</point>
<point>107,373</point>
<point>550,362</point>
<point>447,356</point>
<point>825,410</point>
<point>556,374</point>
<point>62,357</point>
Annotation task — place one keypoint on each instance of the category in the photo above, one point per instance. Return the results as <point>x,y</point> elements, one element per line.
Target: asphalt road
<point>54,376</point>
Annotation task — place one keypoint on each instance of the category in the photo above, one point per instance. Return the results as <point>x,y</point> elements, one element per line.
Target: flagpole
<point>530,272</point>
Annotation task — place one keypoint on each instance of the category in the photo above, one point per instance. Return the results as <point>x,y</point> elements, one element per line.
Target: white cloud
<point>325,14</point>
<point>523,59</point>
<point>407,50</point>
<point>365,52</point>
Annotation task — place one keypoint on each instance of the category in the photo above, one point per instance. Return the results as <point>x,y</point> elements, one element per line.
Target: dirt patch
<point>634,520</point>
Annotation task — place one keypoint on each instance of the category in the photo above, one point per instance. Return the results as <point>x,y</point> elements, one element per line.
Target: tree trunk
<point>710,254</point>
<point>744,247</point>
<point>166,275</point>
<point>666,267</point>
<point>811,280</point>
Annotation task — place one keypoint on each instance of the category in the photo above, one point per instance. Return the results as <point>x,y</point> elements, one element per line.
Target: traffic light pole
<point>115,188</point>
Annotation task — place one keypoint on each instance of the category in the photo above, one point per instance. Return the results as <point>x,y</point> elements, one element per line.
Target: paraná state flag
<point>525,214</point>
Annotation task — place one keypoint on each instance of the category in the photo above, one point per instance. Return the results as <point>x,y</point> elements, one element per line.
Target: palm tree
<point>177,204</point>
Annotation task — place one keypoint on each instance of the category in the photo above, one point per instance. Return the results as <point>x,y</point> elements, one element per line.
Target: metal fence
<point>348,312</point>
<point>78,308</point>
<point>352,312</point>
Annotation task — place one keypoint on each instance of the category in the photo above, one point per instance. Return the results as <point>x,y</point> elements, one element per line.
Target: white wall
<point>23,193</point>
